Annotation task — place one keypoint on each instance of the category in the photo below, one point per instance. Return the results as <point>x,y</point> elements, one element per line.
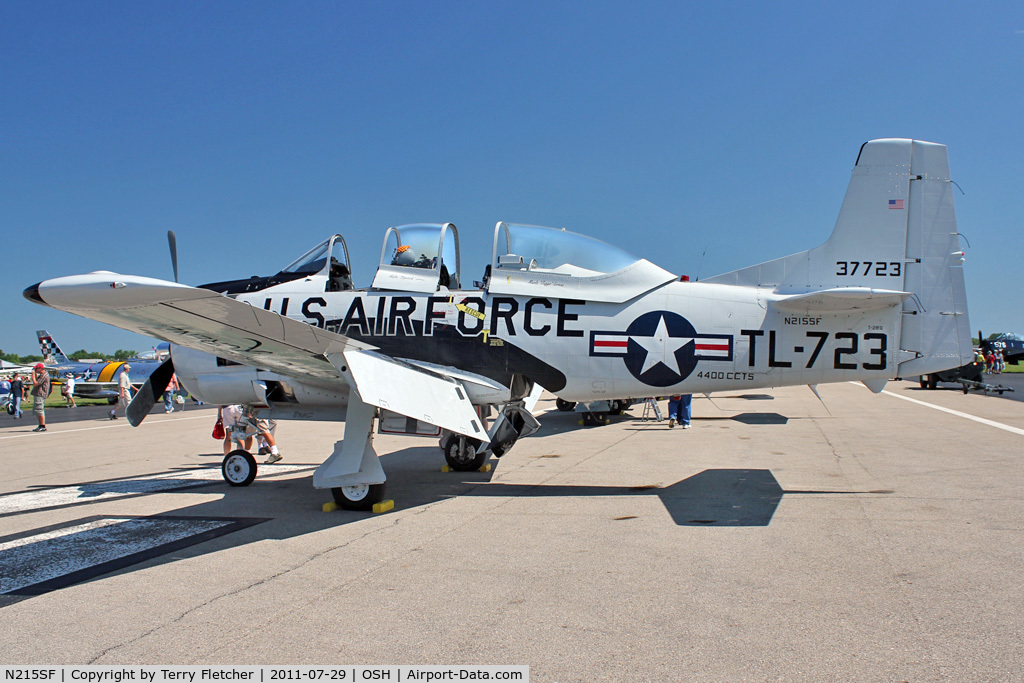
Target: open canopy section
<point>327,261</point>
<point>419,258</point>
<point>531,260</point>
<point>330,259</point>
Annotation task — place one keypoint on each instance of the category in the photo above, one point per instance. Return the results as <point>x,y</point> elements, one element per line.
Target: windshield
<point>536,248</point>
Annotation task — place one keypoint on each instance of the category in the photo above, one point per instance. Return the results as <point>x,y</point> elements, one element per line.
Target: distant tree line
<point>120,354</point>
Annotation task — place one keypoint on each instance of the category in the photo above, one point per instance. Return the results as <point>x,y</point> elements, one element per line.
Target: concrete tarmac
<point>877,539</point>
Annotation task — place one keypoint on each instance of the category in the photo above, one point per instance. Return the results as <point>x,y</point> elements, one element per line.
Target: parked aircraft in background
<point>7,369</point>
<point>1012,346</point>
<point>92,380</point>
<point>883,297</point>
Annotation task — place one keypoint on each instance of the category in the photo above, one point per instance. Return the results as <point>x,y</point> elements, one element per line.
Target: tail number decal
<point>882,268</point>
<point>847,346</point>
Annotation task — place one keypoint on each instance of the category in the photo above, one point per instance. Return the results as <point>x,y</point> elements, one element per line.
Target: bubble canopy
<point>556,250</point>
<point>529,259</point>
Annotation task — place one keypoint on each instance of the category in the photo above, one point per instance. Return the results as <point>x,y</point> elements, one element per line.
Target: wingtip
<point>32,294</point>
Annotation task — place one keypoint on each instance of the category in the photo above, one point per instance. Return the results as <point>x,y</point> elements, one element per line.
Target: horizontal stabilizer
<point>411,391</point>
<point>841,300</point>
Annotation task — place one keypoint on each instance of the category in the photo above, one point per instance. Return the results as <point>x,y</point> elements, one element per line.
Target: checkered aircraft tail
<point>51,352</point>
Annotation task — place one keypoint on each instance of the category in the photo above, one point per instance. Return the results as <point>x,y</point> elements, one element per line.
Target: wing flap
<point>402,388</point>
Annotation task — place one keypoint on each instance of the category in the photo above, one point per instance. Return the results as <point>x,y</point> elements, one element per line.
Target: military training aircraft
<point>883,297</point>
<point>92,380</point>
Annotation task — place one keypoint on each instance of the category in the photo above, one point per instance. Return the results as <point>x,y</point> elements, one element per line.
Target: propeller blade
<point>172,242</point>
<point>146,397</point>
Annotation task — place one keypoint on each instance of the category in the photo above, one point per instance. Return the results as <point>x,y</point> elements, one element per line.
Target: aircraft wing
<point>199,319</point>
<point>207,321</point>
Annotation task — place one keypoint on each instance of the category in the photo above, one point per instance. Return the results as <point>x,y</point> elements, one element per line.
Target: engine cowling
<point>216,381</point>
<point>222,382</point>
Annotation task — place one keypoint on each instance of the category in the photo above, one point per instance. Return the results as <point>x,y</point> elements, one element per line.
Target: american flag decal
<point>895,203</point>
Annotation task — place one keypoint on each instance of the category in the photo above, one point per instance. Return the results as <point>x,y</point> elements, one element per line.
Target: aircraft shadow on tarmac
<point>274,508</point>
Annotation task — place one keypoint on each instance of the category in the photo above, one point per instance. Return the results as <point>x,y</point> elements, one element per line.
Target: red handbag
<point>218,430</point>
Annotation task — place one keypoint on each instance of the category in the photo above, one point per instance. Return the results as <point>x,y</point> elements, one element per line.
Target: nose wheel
<point>238,468</point>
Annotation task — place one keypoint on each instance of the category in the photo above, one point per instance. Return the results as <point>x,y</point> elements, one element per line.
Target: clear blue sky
<point>256,129</point>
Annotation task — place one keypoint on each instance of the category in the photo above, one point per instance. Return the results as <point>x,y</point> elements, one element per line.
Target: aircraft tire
<point>112,401</point>
<point>564,406</point>
<point>238,468</point>
<point>359,497</point>
<point>467,460</point>
<point>933,381</point>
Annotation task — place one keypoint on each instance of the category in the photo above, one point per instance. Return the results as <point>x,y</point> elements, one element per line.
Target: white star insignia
<point>661,348</point>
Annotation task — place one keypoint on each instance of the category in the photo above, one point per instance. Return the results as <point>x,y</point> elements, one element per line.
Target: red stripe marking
<point>712,347</point>
<point>616,344</point>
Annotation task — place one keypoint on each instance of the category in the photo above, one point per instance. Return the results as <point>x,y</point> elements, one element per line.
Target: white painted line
<point>108,490</point>
<point>990,423</point>
<point>50,428</point>
<point>32,560</point>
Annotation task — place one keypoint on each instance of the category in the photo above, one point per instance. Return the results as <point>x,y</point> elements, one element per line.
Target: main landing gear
<point>460,452</point>
<point>358,496</point>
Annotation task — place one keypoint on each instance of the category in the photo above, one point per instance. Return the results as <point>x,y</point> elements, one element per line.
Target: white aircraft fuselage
<point>683,337</point>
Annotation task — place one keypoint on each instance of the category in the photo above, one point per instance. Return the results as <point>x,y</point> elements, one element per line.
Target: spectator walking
<point>679,410</point>
<point>169,392</point>
<point>124,392</point>
<point>69,391</point>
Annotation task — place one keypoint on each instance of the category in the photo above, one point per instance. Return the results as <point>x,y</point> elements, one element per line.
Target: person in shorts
<point>40,390</point>
<point>69,391</point>
<point>265,432</point>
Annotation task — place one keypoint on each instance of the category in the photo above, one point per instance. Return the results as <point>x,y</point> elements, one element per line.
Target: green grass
<point>57,401</point>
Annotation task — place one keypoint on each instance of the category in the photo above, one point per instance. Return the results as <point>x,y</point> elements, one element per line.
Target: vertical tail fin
<point>51,352</point>
<point>896,231</point>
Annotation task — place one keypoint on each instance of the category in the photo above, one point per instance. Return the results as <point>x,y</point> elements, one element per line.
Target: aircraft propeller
<point>155,386</point>
<point>147,396</point>
<point>172,242</point>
